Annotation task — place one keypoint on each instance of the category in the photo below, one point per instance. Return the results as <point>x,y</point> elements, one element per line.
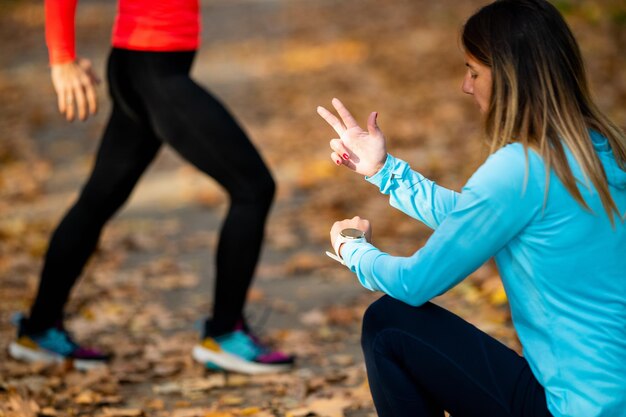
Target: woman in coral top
<point>155,102</point>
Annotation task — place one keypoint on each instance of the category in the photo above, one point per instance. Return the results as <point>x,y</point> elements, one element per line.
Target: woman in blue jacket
<point>548,204</point>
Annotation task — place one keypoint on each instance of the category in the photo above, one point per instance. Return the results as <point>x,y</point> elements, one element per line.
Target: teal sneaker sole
<point>229,362</point>
<point>25,354</point>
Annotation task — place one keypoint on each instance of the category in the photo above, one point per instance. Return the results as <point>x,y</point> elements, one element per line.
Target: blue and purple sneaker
<point>240,351</point>
<point>55,345</point>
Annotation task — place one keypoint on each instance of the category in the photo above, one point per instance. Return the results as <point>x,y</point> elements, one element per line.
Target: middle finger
<point>346,116</point>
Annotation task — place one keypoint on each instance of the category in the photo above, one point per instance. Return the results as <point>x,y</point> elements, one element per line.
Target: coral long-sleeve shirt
<point>143,25</point>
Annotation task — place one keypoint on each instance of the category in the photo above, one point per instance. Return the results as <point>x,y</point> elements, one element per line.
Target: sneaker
<point>54,345</point>
<point>240,351</point>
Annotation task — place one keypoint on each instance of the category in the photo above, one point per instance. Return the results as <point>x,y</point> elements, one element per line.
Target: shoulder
<point>510,171</point>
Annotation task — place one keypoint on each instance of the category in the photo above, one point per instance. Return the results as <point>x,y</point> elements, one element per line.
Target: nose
<point>468,85</point>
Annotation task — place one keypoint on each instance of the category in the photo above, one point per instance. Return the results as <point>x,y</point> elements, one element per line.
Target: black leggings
<point>424,360</point>
<point>155,102</point>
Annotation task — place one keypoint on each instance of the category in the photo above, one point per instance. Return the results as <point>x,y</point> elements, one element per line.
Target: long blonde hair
<point>540,91</point>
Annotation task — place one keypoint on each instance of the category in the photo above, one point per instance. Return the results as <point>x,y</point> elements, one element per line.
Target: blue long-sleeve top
<point>563,267</point>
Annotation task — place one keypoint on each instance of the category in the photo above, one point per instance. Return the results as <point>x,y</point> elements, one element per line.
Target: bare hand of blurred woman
<point>74,83</point>
<point>360,150</point>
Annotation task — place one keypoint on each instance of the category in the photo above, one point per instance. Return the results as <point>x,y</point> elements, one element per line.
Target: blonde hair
<point>541,97</point>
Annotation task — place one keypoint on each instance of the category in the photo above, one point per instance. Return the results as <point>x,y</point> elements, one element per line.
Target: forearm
<point>60,32</point>
<point>489,213</point>
<point>413,280</point>
<point>414,194</point>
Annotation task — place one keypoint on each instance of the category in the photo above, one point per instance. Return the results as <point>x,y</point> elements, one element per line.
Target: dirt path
<point>272,62</point>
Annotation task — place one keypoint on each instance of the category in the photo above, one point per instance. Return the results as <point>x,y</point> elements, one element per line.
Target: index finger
<point>331,119</point>
<point>347,118</point>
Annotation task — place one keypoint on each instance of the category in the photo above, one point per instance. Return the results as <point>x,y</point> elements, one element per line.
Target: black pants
<point>155,102</point>
<point>424,360</point>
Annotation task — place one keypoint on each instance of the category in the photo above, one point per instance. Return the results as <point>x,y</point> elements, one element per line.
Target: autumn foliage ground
<point>150,281</point>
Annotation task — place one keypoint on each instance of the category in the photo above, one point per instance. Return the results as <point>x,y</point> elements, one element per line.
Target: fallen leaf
<point>121,412</point>
<point>322,407</point>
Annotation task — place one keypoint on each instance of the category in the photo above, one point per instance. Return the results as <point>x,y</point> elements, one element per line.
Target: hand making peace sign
<point>362,151</point>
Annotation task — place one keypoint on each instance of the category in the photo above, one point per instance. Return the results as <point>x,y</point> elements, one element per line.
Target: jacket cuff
<point>385,178</point>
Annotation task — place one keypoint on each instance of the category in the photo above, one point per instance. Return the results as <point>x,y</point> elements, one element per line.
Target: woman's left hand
<point>356,223</point>
<point>75,84</point>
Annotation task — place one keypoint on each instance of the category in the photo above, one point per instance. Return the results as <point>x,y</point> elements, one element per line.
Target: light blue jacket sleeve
<point>493,207</point>
<point>414,194</point>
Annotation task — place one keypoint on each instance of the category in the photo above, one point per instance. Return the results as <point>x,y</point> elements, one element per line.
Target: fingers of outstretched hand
<point>338,146</point>
<point>332,120</point>
<point>336,158</point>
<point>345,115</point>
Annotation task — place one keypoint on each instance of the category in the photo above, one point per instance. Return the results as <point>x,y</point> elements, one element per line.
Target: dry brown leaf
<point>218,414</point>
<point>255,295</point>
<point>230,400</point>
<point>322,407</point>
<point>190,385</point>
<point>342,315</point>
<point>190,412</point>
<point>315,317</point>
<point>249,411</point>
<point>342,359</point>
<point>303,263</point>
<point>156,404</point>
<point>237,380</point>
<point>166,369</point>
<point>174,281</point>
<point>121,412</point>
<point>21,407</point>
<point>87,397</point>
<point>316,172</point>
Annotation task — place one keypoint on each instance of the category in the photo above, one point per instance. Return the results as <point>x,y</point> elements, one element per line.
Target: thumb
<point>372,125</point>
<point>87,67</point>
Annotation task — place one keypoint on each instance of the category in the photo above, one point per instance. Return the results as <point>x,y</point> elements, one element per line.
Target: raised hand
<point>74,83</point>
<point>360,150</point>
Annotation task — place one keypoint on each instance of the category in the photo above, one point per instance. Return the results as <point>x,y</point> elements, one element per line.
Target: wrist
<point>345,236</point>
<point>378,166</point>
<point>339,249</point>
